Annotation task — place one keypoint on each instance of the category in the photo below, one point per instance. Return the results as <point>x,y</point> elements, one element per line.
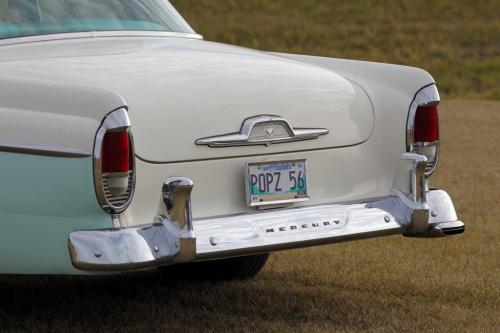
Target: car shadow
<point>176,300</point>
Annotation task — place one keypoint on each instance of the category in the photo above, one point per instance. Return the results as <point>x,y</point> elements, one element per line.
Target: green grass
<point>456,41</point>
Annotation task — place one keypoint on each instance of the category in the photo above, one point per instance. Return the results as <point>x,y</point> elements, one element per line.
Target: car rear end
<point>150,148</point>
<point>204,186</point>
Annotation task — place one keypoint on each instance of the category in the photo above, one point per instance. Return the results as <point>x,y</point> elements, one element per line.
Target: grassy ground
<point>388,284</point>
<point>458,41</point>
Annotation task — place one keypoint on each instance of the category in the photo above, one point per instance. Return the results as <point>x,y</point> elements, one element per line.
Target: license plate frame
<point>268,198</point>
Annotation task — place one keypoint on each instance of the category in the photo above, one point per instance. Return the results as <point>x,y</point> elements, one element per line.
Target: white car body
<point>55,91</point>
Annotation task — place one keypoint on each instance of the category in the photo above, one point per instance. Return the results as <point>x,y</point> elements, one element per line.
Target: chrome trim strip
<point>244,137</point>
<point>42,150</point>
<point>427,96</point>
<point>117,120</point>
<point>94,34</point>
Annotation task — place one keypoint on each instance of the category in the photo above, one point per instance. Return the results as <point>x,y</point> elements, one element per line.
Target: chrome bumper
<point>411,210</point>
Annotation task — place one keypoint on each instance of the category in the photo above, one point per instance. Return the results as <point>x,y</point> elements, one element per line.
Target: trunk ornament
<point>263,130</point>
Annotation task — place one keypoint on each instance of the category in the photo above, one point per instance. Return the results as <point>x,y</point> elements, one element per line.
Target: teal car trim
<point>42,200</point>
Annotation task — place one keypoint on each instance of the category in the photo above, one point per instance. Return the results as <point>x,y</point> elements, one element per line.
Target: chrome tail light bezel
<point>115,121</point>
<point>427,96</point>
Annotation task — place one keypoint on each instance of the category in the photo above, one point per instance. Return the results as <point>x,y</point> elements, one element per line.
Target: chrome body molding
<point>117,120</point>
<point>42,150</point>
<point>174,237</point>
<point>263,130</point>
<point>427,96</point>
<point>94,34</point>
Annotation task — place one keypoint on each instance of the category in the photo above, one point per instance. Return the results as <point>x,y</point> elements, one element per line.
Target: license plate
<point>274,183</point>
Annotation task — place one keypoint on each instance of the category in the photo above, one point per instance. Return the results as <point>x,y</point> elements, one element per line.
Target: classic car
<point>128,142</point>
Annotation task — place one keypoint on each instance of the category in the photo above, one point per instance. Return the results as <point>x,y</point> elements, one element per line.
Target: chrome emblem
<point>263,130</point>
<point>270,132</point>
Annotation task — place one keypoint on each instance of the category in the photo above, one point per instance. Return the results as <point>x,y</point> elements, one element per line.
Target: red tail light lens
<point>422,128</point>
<point>426,127</point>
<point>116,167</point>
<point>116,152</point>
<point>114,163</point>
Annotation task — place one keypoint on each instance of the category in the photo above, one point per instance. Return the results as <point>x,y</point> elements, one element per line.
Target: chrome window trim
<point>117,120</point>
<point>94,34</point>
<point>244,136</point>
<point>42,150</point>
<point>427,96</point>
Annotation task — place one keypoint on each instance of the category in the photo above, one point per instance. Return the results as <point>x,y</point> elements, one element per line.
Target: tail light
<point>114,166</point>
<point>423,126</point>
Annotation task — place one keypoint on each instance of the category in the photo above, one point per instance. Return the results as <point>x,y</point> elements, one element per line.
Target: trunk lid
<point>181,90</point>
<point>211,90</point>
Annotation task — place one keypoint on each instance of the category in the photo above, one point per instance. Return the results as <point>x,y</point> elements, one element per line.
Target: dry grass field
<point>387,284</point>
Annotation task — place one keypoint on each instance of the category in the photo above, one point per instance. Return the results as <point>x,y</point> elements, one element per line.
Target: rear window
<point>38,17</point>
